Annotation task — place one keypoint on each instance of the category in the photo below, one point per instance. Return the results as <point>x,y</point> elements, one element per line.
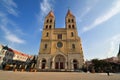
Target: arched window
<point>47,34</point>
<point>69,26</point>
<point>50,20</point>
<point>68,20</point>
<point>72,34</point>
<point>49,26</point>
<point>72,20</point>
<point>73,46</point>
<point>47,21</point>
<point>46,26</point>
<point>73,26</point>
<point>59,36</point>
<point>45,46</point>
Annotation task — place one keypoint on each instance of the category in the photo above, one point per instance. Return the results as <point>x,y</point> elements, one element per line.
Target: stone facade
<point>60,48</point>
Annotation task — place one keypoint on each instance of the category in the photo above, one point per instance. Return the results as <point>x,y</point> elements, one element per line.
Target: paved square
<point>9,75</point>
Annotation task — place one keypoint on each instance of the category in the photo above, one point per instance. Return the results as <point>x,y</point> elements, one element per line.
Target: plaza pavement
<point>10,75</point>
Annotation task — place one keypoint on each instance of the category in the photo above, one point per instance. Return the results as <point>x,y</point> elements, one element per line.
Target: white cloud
<point>89,6</point>
<point>11,37</point>
<point>86,11</point>
<point>45,7</point>
<point>109,14</point>
<point>114,43</point>
<point>10,6</point>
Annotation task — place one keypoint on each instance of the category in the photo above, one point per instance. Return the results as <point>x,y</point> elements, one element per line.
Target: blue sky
<point>98,24</point>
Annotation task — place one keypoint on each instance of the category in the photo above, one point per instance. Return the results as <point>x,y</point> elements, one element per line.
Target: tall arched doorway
<point>75,64</point>
<point>43,63</point>
<point>59,62</point>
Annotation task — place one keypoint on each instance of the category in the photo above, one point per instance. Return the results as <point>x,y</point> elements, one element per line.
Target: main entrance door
<point>59,62</point>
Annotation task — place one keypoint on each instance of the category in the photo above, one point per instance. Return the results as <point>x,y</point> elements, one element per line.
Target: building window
<point>51,21</point>
<point>46,26</point>
<point>72,34</point>
<point>73,26</point>
<point>69,26</point>
<point>59,44</point>
<point>59,36</point>
<point>73,46</point>
<point>47,34</point>
<point>72,20</point>
<point>3,52</point>
<point>47,21</point>
<point>17,56</point>
<point>68,20</point>
<point>50,27</point>
<point>45,46</point>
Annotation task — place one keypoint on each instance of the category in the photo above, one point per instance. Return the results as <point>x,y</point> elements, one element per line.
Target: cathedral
<point>60,48</point>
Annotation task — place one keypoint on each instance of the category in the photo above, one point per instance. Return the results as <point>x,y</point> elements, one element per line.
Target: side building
<point>2,55</point>
<point>60,48</point>
<point>11,59</point>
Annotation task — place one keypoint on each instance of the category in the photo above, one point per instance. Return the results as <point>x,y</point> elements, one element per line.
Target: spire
<point>69,13</point>
<point>50,14</point>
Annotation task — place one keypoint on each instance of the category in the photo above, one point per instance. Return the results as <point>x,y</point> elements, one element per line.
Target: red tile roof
<point>17,52</point>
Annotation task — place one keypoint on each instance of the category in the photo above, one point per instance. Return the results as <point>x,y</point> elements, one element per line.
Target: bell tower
<point>49,26</point>
<point>74,42</point>
<point>49,22</point>
<point>70,20</point>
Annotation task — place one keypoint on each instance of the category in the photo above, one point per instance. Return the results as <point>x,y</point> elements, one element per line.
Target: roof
<point>17,52</point>
<point>50,14</point>
<point>69,13</point>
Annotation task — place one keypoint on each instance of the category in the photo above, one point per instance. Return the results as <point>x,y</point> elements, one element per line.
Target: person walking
<point>108,72</point>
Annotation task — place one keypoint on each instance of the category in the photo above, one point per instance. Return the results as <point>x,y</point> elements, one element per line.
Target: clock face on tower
<point>59,44</point>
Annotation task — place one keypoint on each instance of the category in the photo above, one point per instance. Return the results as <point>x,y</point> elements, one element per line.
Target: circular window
<point>59,44</point>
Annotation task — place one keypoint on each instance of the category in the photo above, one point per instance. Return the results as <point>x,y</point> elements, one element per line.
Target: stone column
<point>66,65</point>
<point>40,65</point>
<point>53,65</point>
<point>72,66</point>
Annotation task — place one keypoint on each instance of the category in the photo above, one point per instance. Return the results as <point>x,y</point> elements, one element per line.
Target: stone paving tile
<point>6,75</point>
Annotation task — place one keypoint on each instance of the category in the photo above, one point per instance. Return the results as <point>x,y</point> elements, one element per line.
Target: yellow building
<point>60,48</point>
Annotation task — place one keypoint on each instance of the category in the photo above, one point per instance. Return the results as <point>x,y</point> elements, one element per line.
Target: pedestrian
<point>108,73</point>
